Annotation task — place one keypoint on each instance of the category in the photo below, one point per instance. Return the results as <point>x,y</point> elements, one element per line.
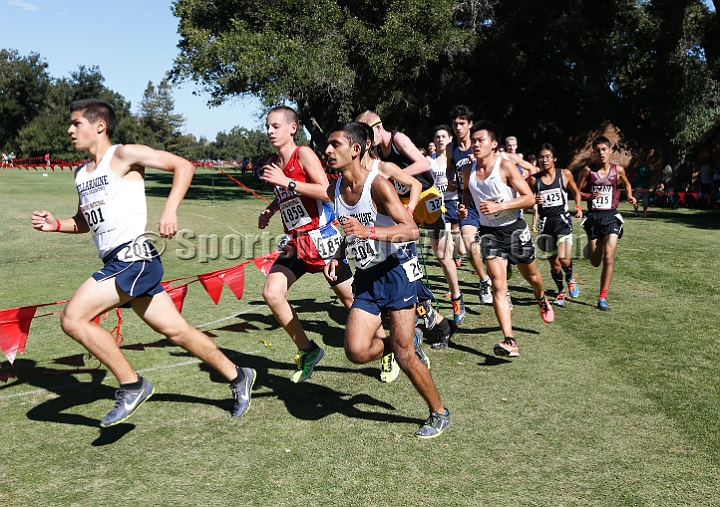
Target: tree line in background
<point>35,115</point>
<point>544,70</point>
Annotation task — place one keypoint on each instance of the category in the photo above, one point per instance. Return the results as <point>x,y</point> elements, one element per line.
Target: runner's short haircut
<point>94,110</point>
<point>369,133</point>
<point>443,127</point>
<point>510,138</point>
<point>288,113</point>
<point>602,140</point>
<point>354,132</point>
<point>491,128</point>
<point>369,117</point>
<point>461,111</point>
<point>546,146</point>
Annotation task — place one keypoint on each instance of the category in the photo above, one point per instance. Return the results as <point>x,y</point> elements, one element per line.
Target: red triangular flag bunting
<point>213,285</point>
<point>14,329</point>
<point>177,294</point>
<point>265,262</point>
<point>235,279</point>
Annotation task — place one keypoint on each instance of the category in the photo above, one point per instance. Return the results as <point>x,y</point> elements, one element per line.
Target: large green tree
<point>331,58</point>
<point>24,85</point>
<point>545,70</point>
<point>47,132</point>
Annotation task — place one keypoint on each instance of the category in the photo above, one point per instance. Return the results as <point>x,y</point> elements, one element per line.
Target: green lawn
<point>612,409</point>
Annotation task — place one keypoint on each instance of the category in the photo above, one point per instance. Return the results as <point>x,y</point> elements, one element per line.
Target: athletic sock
<point>133,385</point>
<point>312,347</point>
<point>558,279</point>
<point>443,326</point>
<point>603,294</point>
<point>240,376</point>
<point>568,271</point>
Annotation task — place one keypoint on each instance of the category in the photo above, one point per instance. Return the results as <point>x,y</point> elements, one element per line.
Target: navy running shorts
<point>473,217</point>
<point>138,278</point>
<point>387,286</point>
<point>451,216</point>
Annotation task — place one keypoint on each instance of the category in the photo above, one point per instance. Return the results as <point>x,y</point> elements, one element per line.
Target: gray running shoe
<point>427,312</point>
<point>434,425</point>
<point>241,392</point>
<point>486,295</point>
<point>126,402</point>
<point>419,348</point>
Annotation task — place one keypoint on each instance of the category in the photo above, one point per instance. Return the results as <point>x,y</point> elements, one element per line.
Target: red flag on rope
<point>234,278</point>
<point>213,285</point>
<point>14,329</point>
<point>177,294</point>
<point>265,262</point>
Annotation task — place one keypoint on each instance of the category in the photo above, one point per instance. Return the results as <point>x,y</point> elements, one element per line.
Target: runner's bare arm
<point>570,184</point>
<point>44,221</point>
<point>622,177</point>
<point>136,157</point>
<point>467,196</point>
<point>267,214</point>
<point>583,180</point>
<point>527,166</point>
<point>406,147</point>
<point>450,169</point>
<point>393,172</point>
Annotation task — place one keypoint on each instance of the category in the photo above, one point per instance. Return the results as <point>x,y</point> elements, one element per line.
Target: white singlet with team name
<point>115,209</point>
<point>441,180</point>
<point>493,189</point>
<point>365,252</point>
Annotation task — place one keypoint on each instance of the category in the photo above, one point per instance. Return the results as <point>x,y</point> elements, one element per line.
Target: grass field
<point>611,409</point>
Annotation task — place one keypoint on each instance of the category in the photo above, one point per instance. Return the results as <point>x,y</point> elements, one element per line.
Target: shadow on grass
<point>697,219</point>
<point>307,400</point>
<point>489,360</point>
<point>70,393</point>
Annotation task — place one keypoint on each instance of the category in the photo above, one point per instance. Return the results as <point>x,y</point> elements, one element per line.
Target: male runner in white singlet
<point>112,207</point>
<point>500,193</point>
<point>377,229</point>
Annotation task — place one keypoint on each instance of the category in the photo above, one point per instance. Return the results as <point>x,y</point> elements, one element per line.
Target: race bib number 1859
<point>294,214</point>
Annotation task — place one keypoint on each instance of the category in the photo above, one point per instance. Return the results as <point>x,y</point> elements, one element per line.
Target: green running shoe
<point>306,363</point>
